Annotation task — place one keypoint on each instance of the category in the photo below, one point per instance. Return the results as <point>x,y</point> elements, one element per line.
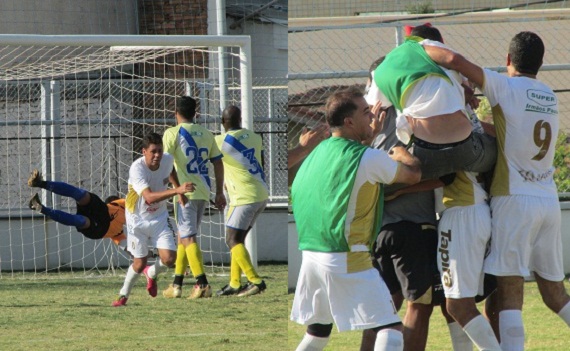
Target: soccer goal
<point>76,107</point>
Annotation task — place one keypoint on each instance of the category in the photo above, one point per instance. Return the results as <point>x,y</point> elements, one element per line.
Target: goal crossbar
<point>125,40</point>
<point>243,42</point>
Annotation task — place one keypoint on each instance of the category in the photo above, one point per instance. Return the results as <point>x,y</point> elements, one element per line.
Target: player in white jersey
<point>526,212</point>
<point>248,193</point>
<point>147,216</point>
<point>464,232</point>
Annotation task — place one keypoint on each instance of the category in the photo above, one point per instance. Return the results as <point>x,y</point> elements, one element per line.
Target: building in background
<point>264,21</point>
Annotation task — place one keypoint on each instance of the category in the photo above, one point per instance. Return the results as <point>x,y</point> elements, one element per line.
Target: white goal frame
<point>241,41</point>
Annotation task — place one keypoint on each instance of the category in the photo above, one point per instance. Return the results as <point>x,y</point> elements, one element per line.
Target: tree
<point>562,163</point>
<point>420,8</point>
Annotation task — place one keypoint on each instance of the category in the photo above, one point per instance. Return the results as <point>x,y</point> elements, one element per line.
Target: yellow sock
<point>194,255</point>
<point>181,261</point>
<point>244,261</point>
<point>235,273</point>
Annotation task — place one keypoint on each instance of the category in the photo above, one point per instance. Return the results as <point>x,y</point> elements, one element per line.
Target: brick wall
<point>175,17</point>
<point>171,17</point>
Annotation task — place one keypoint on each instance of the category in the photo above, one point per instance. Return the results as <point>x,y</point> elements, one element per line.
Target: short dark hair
<point>151,138</point>
<point>186,107</point>
<point>427,32</point>
<point>111,198</point>
<point>232,115</point>
<point>341,105</point>
<point>375,65</point>
<point>527,51</point>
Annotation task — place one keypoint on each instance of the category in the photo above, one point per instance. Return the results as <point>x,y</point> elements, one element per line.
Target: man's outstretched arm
<point>457,62</point>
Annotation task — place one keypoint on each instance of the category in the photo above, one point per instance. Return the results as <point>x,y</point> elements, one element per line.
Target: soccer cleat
<point>172,291</point>
<point>200,291</point>
<point>252,289</point>
<point>121,301</point>
<point>35,179</point>
<point>228,290</point>
<point>35,203</point>
<point>151,286</point>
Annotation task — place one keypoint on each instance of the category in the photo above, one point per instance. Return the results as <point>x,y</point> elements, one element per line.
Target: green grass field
<point>545,331</point>
<point>66,313</point>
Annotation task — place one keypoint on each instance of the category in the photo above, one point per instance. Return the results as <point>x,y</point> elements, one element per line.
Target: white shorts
<point>189,217</point>
<point>158,233</point>
<point>464,234</point>
<point>352,301</point>
<point>242,217</point>
<point>526,237</point>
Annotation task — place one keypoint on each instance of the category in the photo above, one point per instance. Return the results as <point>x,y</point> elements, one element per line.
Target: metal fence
<point>326,55</point>
<point>97,134</point>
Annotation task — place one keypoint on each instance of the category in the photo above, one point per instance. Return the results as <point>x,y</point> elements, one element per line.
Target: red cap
<point>408,29</point>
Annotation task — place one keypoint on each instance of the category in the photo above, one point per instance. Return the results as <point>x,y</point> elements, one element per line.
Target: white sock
<point>130,281</point>
<point>512,330</point>
<point>157,268</point>
<point>480,332</point>
<point>389,340</point>
<point>459,339</point>
<point>312,343</point>
<point>565,313</point>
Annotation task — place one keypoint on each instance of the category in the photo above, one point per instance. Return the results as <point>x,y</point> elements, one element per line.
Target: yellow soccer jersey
<point>243,173</point>
<point>466,190</point>
<point>192,146</point>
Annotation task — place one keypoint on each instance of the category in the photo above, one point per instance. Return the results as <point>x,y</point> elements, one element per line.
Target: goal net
<point>77,107</point>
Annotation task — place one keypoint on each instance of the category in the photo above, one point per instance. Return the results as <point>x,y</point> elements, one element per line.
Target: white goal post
<point>77,106</point>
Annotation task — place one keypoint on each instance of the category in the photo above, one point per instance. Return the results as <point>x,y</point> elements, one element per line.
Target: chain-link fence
<point>326,55</point>
<point>270,120</point>
<point>317,9</point>
<point>101,128</point>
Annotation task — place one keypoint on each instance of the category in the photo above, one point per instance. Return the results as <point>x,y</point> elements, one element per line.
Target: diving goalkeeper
<point>94,219</point>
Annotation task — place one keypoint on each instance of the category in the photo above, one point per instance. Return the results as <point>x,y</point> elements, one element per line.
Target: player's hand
<point>220,201</point>
<point>470,97</point>
<point>397,152</point>
<point>474,102</point>
<point>186,187</point>
<point>400,154</point>
<point>311,138</point>
<point>377,123</point>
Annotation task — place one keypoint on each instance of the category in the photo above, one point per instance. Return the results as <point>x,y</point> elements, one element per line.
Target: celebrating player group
<point>364,203</point>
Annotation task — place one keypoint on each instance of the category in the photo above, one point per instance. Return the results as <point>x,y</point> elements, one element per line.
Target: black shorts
<point>98,214</point>
<point>407,260</point>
